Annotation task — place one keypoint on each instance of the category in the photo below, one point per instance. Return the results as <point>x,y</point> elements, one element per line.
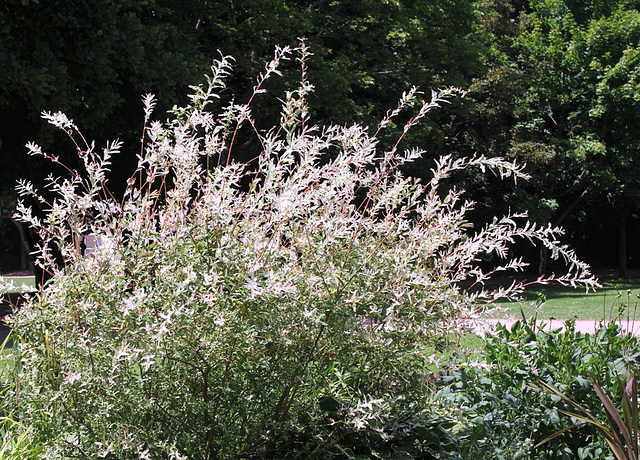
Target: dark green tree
<point>92,60</point>
<point>561,94</point>
<point>365,53</point>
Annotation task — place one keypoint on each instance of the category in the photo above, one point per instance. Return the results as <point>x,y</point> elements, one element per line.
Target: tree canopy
<point>552,83</point>
<point>93,60</point>
<point>561,93</point>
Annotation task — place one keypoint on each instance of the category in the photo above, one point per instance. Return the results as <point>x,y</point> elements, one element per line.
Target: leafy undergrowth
<point>499,413</point>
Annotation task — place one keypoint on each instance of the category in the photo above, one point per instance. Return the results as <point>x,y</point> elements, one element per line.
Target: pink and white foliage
<point>346,222</point>
<point>319,248</point>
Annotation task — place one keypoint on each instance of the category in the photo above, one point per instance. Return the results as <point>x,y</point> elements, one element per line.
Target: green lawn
<point>18,281</point>
<point>616,298</point>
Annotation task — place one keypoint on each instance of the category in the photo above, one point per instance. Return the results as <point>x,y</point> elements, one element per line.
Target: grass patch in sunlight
<point>19,281</point>
<point>617,298</point>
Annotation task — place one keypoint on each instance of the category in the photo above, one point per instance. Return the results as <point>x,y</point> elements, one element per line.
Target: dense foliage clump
<point>284,307</point>
<point>496,400</point>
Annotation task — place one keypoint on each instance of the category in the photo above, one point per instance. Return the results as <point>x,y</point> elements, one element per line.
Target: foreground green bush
<point>499,409</point>
<point>281,308</point>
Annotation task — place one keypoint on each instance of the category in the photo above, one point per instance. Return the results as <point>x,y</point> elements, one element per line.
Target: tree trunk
<point>544,256</point>
<point>26,264</point>
<point>25,260</point>
<point>622,241</point>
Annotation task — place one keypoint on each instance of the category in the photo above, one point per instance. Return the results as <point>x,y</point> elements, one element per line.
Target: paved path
<point>585,326</point>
